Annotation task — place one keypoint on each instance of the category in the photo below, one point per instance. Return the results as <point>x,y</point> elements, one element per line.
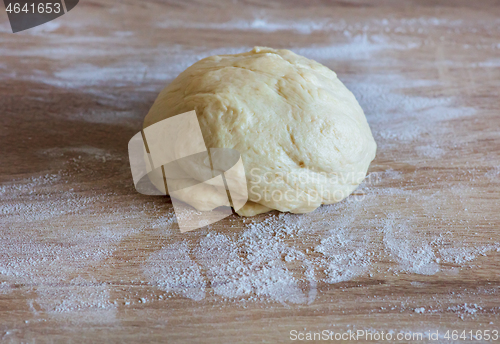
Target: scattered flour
<point>173,270</point>
<point>465,310</point>
<point>41,249</point>
<point>413,254</point>
<point>283,258</point>
<point>259,24</point>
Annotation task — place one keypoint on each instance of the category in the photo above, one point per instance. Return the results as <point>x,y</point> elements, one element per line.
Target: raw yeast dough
<point>302,135</point>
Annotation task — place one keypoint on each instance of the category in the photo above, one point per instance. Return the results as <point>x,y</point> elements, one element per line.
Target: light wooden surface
<point>74,91</point>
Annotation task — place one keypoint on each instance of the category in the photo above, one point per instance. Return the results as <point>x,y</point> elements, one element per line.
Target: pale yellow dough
<point>302,135</point>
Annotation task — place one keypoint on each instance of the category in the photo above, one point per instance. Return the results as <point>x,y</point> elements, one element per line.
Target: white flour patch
<point>173,270</point>
<point>463,255</point>
<point>420,310</point>
<point>358,47</point>
<point>408,249</point>
<point>466,310</point>
<point>306,25</point>
<point>50,26</point>
<point>431,151</point>
<point>89,151</point>
<point>43,252</point>
<point>261,271</point>
<point>261,24</point>
<point>343,256</point>
<point>155,66</point>
<point>400,117</point>
<point>79,301</point>
<point>493,173</point>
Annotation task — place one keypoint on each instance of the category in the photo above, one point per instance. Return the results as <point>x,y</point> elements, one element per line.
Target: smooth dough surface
<point>302,135</point>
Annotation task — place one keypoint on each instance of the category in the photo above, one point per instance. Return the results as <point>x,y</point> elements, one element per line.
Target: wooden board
<point>84,257</point>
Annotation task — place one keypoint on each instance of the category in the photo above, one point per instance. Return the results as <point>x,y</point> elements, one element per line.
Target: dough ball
<point>302,135</point>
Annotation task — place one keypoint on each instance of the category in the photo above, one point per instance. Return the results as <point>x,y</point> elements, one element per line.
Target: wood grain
<point>74,91</point>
